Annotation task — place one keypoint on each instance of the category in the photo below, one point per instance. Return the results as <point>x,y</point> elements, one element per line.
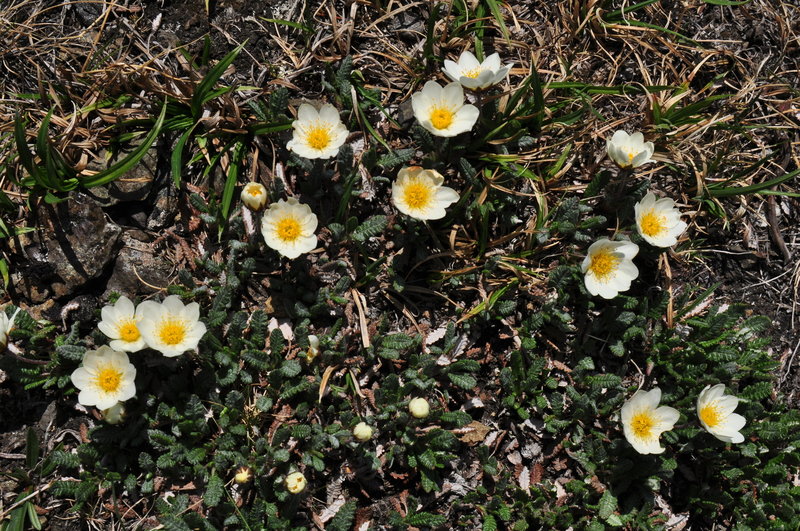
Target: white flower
<point>715,410</point>
<point>362,432</point>
<point>472,74</point>
<point>442,111</point>
<point>120,323</point>
<point>243,476</point>
<point>313,348</point>
<point>419,408</point>
<point>6,326</point>
<point>105,378</point>
<point>658,221</point>
<point>317,134</point>
<point>419,193</point>
<point>115,414</point>
<point>288,227</point>
<point>170,327</point>
<point>608,267</point>
<point>295,482</point>
<point>254,195</point>
<point>629,151</point>
<point>643,421</point>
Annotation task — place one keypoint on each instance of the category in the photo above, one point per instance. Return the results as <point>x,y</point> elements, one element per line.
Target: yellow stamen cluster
<point>172,331</point>
<point>604,263</point>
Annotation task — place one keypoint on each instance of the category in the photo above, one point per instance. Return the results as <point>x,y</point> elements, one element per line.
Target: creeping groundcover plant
<point>418,306</point>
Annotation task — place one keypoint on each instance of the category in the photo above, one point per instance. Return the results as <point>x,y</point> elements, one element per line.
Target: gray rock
<point>135,185</point>
<point>139,269</point>
<point>74,246</point>
<point>165,209</point>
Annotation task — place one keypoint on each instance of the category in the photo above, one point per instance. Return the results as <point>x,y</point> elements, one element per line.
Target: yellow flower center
<point>441,117</point>
<point>108,379</point>
<point>642,425</point>
<point>710,414</point>
<point>288,229</point>
<point>417,195</point>
<point>253,190</point>
<point>128,331</point>
<point>653,224</point>
<point>603,264</point>
<point>318,137</point>
<point>631,156</point>
<point>472,74</point>
<point>172,331</point>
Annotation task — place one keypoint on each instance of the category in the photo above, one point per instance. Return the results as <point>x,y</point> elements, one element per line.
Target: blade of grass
<point>230,184</point>
<point>753,188</point>
<point>204,91</point>
<point>176,160</point>
<point>133,158</point>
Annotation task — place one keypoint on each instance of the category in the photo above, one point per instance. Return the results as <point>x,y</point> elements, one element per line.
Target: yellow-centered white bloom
<point>288,227</point>
<point>629,151</point>
<point>715,410</point>
<point>608,267</point>
<point>419,193</point>
<point>643,421</point>
<point>6,326</point>
<point>362,432</point>
<point>295,482</point>
<point>313,348</point>
<point>170,327</point>
<point>658,221</point>
<point>105,378</point>
<point>419,408</point>
<point>115,414</point>
<point>254,195</point>
<point>442,111</point>
<point>473,74</point>
<point>317,134</point>
<point>120,323</point>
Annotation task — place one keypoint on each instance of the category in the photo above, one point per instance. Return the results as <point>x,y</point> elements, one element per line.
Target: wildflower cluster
<point>106,377</point>
<point>643,421</point>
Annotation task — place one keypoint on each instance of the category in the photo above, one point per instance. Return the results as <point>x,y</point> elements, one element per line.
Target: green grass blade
<point>494,7</point>
<point>204,90</point>
<point>131,160</point>
<point>230,183</point>
<point>753,188</point>
<point>289,23</point>
<point>176,160</point>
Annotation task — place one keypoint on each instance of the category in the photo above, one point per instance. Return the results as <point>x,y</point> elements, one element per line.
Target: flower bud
<point>243,475</point>
<point>254,195</point>
<point>295,482</point>
<point>419,408</point>
<point>115,414</point>
<point>362,432</point>
<point>313,348</point>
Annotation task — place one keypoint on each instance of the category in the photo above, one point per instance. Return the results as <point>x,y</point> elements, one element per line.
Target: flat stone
<point>75,245</point>
<point>138,270</point>
<point>135,185</point>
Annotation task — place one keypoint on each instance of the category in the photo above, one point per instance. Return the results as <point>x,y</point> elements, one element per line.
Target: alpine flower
<point>120,323</point>
<point>715,410</point>
<point>419,193</point>
<point>105,378</point>
<point>629,151</point>
<point>658,221</point>
<point>295,482</point>
<point>170,327</point>
<point>288,227</point>
<point>6,326</point>
<point>317,134</point>
<point>643,421</point>
<point>442,110</point>
<point>419,408</point>
<point>476,75</point>
<point>608,267</point>
<point>254,195</point>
